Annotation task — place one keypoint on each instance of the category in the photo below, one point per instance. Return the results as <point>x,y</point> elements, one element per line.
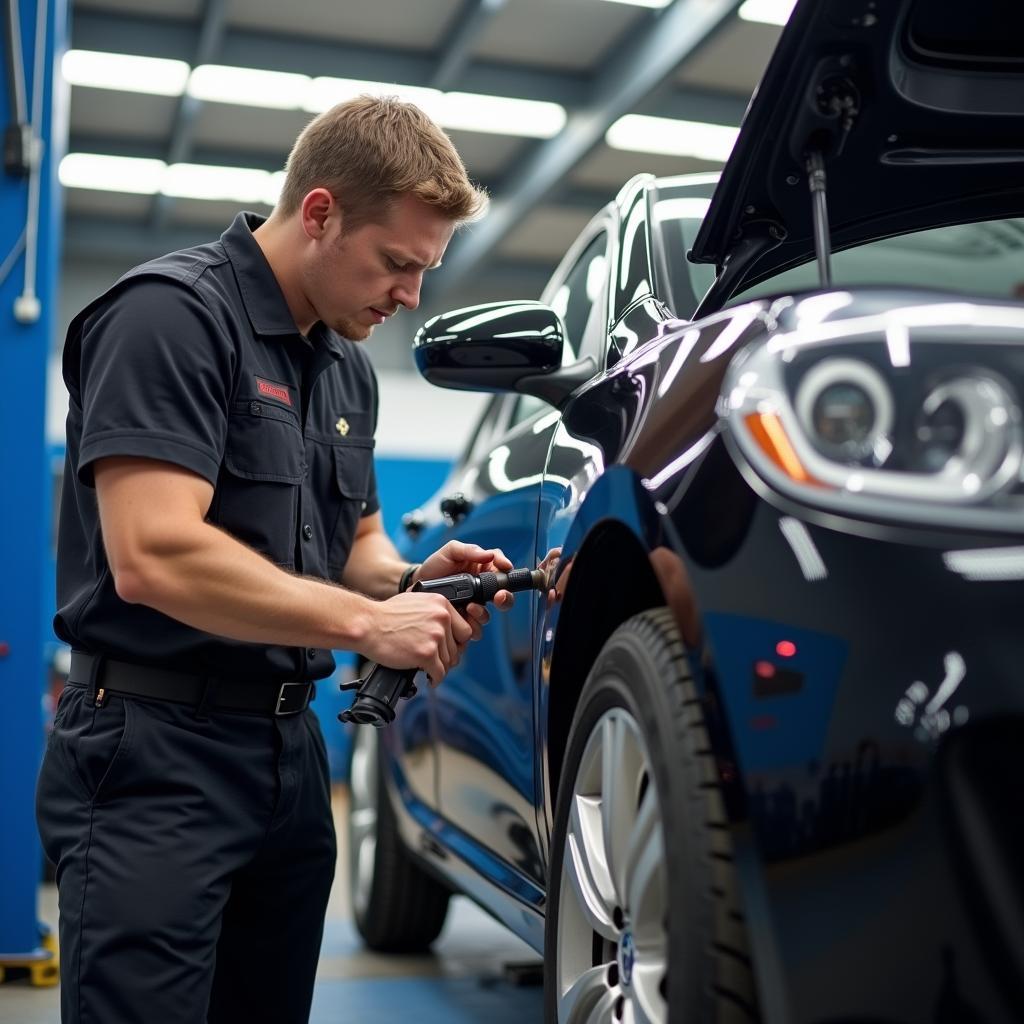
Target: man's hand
<point>456,557</point>
<point>549,565</point>
<point>421,631</point>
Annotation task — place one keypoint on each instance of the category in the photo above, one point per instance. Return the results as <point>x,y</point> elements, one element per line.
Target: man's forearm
<point>209,580</point>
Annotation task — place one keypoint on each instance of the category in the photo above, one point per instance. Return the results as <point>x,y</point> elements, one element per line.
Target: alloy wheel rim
<point>362,817</point>
<point>612,940</point>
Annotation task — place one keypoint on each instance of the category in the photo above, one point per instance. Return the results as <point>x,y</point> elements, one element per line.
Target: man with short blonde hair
<point>368,151</point>
<point>220,535</point>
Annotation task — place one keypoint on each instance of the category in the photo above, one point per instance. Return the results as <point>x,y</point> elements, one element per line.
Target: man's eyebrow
<point>404,260</point>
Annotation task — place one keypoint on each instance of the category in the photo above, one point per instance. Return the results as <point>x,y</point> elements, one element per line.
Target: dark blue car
<point>762,755</point>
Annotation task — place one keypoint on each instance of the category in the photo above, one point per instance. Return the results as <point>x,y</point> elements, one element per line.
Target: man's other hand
<point>457,556</point>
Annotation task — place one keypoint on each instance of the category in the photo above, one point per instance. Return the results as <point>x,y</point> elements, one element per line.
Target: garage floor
<point>464,982</point>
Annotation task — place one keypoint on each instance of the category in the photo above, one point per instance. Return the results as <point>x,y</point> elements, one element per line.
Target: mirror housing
<point>500,346</point>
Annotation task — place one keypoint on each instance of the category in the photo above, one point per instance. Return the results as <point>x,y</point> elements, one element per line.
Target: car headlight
<point>842,424</point>
<point>846,409</point>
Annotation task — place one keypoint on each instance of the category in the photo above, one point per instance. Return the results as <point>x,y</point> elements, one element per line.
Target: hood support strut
<point>819,213</point>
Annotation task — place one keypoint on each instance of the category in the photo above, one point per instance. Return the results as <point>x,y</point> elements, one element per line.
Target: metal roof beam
<point>211,35</point>
<point>692,104</point>
<point>91,238</point>
<point>469,24</point>
<point>156,149</point>
<point>665,40</point>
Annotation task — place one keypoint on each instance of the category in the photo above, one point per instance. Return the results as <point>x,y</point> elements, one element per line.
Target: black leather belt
<point>105,676</point>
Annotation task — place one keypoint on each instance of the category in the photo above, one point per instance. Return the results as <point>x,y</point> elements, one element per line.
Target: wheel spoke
<point>362,822</point>
<point>621,768</point>
<point>648,1005</point>
<point>646,831</point>
<point>364,817</point>
<point>646,891</point>
<point>584,874</point>
<point>588,1000</point>
<point>362,858</point>
<point>363,780</point>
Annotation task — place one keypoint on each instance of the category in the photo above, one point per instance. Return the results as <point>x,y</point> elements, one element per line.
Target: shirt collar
<point>264,301</point>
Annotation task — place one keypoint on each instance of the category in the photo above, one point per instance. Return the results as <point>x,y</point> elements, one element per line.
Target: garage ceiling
<point>692,59</point>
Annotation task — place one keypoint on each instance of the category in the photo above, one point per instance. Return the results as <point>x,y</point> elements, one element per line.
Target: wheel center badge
<point>627,957</point>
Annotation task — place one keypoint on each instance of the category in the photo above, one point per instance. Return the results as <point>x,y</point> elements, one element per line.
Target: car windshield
<point>986,258</point>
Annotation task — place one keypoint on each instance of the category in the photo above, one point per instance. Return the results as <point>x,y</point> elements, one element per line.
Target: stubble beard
<point>351,329</point>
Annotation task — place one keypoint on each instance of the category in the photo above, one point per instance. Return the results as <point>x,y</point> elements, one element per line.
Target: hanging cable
<point>27,307</point>
<point>11,258</point>
<point>16,134</point>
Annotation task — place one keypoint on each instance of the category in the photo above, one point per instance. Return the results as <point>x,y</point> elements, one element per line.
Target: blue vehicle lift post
<point>34,105</point>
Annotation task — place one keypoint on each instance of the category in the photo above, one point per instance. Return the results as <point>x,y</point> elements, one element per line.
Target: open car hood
<point>918,108</point>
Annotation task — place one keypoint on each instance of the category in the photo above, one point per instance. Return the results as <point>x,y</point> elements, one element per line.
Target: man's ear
<point>316,208</point>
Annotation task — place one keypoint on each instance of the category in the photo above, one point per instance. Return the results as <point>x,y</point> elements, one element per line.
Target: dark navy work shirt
<point>195,360</point>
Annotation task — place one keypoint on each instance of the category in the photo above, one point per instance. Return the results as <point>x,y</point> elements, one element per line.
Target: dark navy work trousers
<point>194,861</point>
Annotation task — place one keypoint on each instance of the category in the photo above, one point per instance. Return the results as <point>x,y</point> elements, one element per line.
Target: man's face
<point>356,280</point>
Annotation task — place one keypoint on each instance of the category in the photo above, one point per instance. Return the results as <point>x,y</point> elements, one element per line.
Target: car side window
<point>633,277</point>
<point>581,302</point>
<point>491,423</point>
<point>676,216</point>
<point>580,299</point>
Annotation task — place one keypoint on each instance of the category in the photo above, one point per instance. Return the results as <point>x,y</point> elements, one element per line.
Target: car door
<point>411,740</point>
<point>485,714</point>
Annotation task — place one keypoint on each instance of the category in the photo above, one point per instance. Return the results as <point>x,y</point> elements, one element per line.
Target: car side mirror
<point>500,346</point>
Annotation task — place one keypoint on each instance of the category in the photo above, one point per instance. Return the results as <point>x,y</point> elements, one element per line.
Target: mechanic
<point>220,535</point>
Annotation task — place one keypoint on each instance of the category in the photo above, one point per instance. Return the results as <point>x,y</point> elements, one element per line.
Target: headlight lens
<point>846,408</point>
<point>939,430</point>
<point>836,424</point>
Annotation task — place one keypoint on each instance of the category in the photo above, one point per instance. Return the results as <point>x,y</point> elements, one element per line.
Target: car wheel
<point>643,922</point>
<point>397,907</point>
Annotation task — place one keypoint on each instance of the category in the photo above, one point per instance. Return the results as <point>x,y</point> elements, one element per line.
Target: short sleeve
<point>155,371</point>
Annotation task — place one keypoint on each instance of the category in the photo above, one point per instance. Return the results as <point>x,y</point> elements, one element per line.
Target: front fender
<point>617,560</point>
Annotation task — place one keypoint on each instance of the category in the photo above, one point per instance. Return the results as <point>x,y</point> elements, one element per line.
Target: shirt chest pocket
<point>354,485</point>
<point>258,492</point>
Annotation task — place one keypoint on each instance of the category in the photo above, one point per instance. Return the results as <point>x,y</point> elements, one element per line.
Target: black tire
<point>640,703</point>
<point>396,905</point>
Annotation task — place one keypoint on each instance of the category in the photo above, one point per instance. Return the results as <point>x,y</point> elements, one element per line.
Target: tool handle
<point>380,690</point>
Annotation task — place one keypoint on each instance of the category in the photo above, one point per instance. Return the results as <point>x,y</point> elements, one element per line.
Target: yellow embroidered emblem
<point>342,426</point>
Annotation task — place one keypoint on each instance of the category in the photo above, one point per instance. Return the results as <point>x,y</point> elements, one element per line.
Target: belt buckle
<point>282,707</point>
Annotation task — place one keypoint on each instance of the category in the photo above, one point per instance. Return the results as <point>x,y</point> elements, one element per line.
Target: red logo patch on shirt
<point>278,391</point>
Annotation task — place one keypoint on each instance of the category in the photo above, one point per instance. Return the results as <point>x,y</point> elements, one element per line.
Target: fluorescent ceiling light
<point>216,83</point>
<point>205,181</point>
<point>111,173</point>
<point>323,93</point>
<point>771,12</point>
<point>644,3</point>
<point>183,181</point>
<point>642,134</point>
<point>274,187</point>
<point>500,115</point>
<point>250,87</point>
<point>125,72</point>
